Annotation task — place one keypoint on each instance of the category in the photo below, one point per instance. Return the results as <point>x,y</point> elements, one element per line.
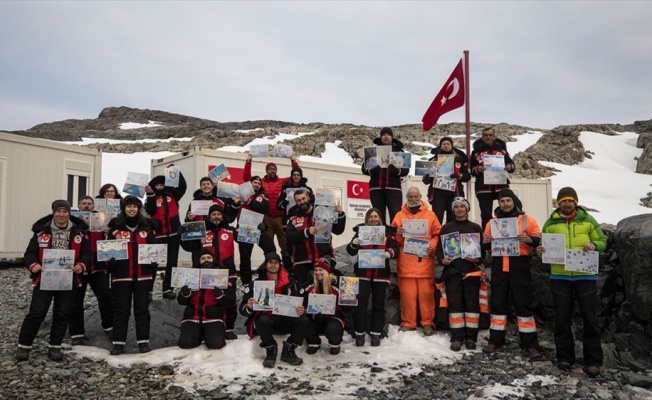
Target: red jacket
<point>272,187</point>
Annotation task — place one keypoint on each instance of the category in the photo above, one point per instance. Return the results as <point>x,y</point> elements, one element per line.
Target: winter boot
<point>359,339</point>
<point>375,339</point>
<point>117,349</point>
<point>335,349</point>
<point>55,354</point>
<point>270,358</point>
<point>312,349</point>
<point>289,356</point>
<point>22,354</point>
<point>144,347</point>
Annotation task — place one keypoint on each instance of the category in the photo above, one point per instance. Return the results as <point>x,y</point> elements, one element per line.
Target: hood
<point>43,223</point>
<point>397,145</point>
<point>498,144</point>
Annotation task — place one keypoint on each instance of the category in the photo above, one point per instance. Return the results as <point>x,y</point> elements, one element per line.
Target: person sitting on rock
<point>266,324</point>
<point>205,314</point>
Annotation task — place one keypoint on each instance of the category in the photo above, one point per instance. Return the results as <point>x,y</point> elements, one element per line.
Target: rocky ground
<point>474,376</point>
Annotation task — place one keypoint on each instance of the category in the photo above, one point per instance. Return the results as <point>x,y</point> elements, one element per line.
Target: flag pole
<point>467,105</point>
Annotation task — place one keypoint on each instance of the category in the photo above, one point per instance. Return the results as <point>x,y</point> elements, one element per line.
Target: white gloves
<point>388,255</point>
<point>356,241</point>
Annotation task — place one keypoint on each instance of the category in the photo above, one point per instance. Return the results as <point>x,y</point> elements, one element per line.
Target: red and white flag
<point>450,97</point>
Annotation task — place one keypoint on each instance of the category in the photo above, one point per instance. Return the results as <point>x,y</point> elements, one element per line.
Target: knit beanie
<point>57,204</point>
<point>567,193</point>
<point>462,201</point>
<point>386,131</point>
<point>296,169</point>
<point>216,207</point>
<point>270,165</point>
<point>131,200</point>
<point>272,256</point>
<point>509,193</point>
<point>324,264</point>
<point>257,178</point>
<point>445,139</point>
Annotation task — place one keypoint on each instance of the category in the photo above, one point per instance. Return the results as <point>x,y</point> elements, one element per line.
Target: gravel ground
<point>474,376</point>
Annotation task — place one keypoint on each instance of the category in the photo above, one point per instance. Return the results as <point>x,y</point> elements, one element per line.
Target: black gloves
<point>217,292</point>
<point>185,291</point>
<point>454,176</point>
<point>392,168</point>
<point>261,227</point>
<point>375,170</point>
<point>154,266</point>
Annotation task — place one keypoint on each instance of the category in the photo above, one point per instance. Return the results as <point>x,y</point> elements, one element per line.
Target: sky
<point>537,63</point>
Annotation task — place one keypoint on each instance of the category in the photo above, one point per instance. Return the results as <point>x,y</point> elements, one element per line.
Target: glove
<point>217,292</point>
<point>149,191</point>
<point>375,170</point>
<point>355,241</point>
<point>285,203</point>
<point>111,263</point>
<point>392,168</point>
<point>337,272</point>
<point>185,291</point>
<point>454,176</point>
<point>154,266</point>
<point>261,227</point>
<point>425,177</point>
<point>387,255</point>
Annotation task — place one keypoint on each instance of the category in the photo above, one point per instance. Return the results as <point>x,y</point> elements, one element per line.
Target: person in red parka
<point>273,185</point>
<point>205,314</point>
<point>162,205</point>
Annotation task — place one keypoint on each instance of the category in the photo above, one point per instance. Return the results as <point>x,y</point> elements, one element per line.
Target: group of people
<point>308,266</point>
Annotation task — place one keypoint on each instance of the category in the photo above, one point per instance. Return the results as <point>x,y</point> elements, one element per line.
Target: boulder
<point>633,243</point>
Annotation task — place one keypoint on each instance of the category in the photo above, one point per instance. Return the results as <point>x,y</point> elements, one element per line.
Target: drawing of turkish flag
<point>357,189</point>
<point>450,97</point>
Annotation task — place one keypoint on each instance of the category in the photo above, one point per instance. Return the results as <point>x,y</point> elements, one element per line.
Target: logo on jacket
<point>159,203</point>
<point>224,236</point>
<point>125,234</point>
<point>45,237</point>
<point>78,239</point>
<point>143,234</point>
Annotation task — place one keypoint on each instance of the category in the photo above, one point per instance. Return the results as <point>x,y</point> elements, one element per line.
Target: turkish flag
<point>236,174</point>
<point>450,97</point>
<point>357,190</point>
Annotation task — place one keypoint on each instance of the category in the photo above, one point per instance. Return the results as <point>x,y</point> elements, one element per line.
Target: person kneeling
<point>204,316</point>
<point>267,324</point>
<point>326,322</point>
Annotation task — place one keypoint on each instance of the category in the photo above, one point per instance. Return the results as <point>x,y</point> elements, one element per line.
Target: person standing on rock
<point>441,200</point>
<point>57,231</point>
<point>416,272</point>
<point>462,278</point>
<point>130,280</point>
<point>266,324</point>
<point>162,205</point>
<point>513,276</point>
<point>582,232</point>
<point>385,189</point>
<point>489,144</point>
<point>98,278</point>
<point>205,314</point>
<point>373,281</point>
<point>273,185</point>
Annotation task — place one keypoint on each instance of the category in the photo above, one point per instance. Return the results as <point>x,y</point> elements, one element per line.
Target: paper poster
<point>504,228</point>
<point>289,196</point>
<point>193,230</point>
<point>99,222</point>
<point>445,183</point>
<point>582,261</point>
<point>282,151</point>
<point>422,168</point>
<point>248,234</point>
<point>505,247</point>
<point>218,173</point>
<point>451,245</point>
<point>100,205</point>
<point>83,215</point>
<point>210,278</point>
<point>58,259</point>
<point>371,258</point>
<point>134,190</point>
<point>259,150</point>
<point>401,159</point>
<point>264,295</point>
<point>328,197</point>
<point>245,190</point>
<point>415,228</point>
<point>555,245</point>
<point>227,189</point>
<point>445,164</point>
<point>137,179</point>
<point>108,249</point>
<point>321,304</point>
<point>371,235</point>
<point>349,289</point>
<point>417,247</point>
<point>251,218</point>
<point>471,245</point>
<point>325,213</point>
<point>185,277</point>
<point>56,279</point>
<point>286,305</point>
<point>200,207</point>
<point>324,230</point>
<point>494,169</point>
<point>172,176</point>
<point>153,253</point>
<point>370,159</point>
<point>383,154</point>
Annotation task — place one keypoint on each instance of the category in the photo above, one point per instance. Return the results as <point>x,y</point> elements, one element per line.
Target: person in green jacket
<point>581,232</point>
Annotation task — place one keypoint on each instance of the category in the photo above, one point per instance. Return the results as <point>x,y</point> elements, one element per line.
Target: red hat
<point>323,264</point>
<point>269,165</point>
